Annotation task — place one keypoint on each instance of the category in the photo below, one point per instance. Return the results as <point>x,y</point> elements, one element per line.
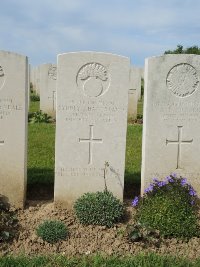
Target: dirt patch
<point>85,240</point>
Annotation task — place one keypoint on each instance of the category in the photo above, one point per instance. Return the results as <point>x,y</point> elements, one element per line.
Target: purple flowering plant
<point>170,182</point>
<point>170,206</point>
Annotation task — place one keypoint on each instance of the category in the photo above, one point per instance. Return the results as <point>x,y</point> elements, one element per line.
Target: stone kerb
<point>171,129</point>
<point>91,124</point>
<point>48,76</point>
<point>13,124</point>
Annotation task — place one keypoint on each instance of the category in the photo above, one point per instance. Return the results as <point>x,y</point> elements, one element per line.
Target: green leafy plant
<point>34,97</point>
<point>8,222</point>
<point>147,235</point>
<point>39,116</point>
<point>99,208</point>
<point>170,206</point>
<point>52,231</point>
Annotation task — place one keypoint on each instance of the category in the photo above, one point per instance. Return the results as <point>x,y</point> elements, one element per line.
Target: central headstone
<point>171,133</point>
<point>91,124</point>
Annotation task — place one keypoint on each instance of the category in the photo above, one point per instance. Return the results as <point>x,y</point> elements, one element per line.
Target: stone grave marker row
<point>91,122</point>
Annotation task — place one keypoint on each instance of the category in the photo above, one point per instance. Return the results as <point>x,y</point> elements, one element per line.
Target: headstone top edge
<point>13,54</point>
<point>91,53</point>
<point>172,56</point>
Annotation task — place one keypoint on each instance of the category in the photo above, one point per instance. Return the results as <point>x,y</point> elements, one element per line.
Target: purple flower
<point>161,183</point>
<point>149,189</point>
<point>155,180</point>
<point>169,179</point>
<point>192,202</point>
<point>135,201</point>
<point>174,175</point>
<point>183,181</point>
<point>192,192</point>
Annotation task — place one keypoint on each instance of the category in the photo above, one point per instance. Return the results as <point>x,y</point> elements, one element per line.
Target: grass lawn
<point>140,108</point>
<point>150,260</point>
<point>41,151</point>
<point>34,106</point>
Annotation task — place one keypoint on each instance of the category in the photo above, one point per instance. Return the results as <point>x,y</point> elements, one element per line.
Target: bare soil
<point>85,240</point>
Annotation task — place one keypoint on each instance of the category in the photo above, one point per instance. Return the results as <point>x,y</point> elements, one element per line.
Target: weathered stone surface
<point>37,80</point>
<point>134,91</point>
<point>171,133</point>
<point>91,124</point>
<point>13,125</point>
<point>48,76</point>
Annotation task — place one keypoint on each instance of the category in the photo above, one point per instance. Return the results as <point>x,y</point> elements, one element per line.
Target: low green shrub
<point>52,231</point>
<point>8,222</point>
<point>100,208</point>
<point>170,206</point>
<point>39,116</point>
<point>34,97</point>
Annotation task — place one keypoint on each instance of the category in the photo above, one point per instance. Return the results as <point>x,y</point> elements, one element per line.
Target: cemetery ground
<point>86,245</point>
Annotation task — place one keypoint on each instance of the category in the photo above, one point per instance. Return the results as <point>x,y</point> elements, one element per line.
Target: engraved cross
<point>90,140</point>
<point>54,100</point>
<point>179,142</point>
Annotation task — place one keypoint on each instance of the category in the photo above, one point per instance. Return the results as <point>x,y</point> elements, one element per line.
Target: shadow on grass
<point>132,185</point>
<point>40,185</point>
<point>40,175</point>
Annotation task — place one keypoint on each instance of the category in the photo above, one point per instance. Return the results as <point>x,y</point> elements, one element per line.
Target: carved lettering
<point>52,72</point>
<point>7,106</point>
<point>92,111</point>
<point>2,77</point>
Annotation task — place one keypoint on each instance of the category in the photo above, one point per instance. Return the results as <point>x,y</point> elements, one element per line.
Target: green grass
<point>140,108</point>
<point>133,153</point>
<point>41,151</point>
<point>34,106</point>
<point>141,260</point>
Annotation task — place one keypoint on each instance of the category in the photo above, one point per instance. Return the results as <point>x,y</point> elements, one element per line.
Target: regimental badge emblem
<point>182,80</point>
<point>93,79</point>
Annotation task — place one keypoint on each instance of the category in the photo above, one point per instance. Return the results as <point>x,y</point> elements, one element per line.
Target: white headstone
<point>91,124</point>
<point>34,79</point>
<point>133,91</point>
<point>48,76</point>
<point>37,80</point>
<point>171,131</point>
<point>29,84</point>
<point>13,125</point>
